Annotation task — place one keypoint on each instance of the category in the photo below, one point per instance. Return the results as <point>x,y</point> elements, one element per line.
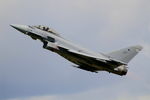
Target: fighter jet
<point>115,62</point>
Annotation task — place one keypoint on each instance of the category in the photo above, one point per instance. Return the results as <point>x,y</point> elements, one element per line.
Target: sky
<point>29,72</point>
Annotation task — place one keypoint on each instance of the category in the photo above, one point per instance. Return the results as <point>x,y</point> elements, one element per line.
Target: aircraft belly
<point>79,60</point>
<point>87,64</point>
<point>72,58</point>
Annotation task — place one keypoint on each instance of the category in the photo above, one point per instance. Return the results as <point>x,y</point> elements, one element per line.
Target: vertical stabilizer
<point>126,54</point>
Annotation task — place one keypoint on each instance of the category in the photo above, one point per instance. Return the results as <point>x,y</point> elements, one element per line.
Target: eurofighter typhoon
<point>115,62</point>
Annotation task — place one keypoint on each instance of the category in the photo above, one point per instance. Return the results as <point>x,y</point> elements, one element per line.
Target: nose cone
<point>21,28</point>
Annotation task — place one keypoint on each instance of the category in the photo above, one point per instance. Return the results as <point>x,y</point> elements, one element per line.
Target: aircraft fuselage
<point>83,58</point>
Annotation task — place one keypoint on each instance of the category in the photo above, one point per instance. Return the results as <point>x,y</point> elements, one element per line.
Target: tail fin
<point>126,54</point>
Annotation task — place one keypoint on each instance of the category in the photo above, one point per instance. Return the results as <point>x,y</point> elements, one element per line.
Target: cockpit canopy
<point>47,29</point>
